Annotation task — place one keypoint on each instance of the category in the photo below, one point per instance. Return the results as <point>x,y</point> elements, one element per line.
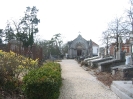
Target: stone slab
<point>87,59</point>
<point>121,67</point>
<point>90,61</point>
<point>96,61</point>
<point>106,65</point>
<point>126,71</point>
<point>124,89</point>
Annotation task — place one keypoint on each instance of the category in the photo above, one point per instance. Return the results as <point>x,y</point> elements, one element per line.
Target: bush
<point>12,66</point>
<point>44,82</point>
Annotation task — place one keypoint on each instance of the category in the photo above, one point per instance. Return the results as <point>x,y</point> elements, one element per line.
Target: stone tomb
<point>126,71</point>
<point>95,59</point>
<point>124,89</point>
<point>94,63</point>
<point>120,60</point>
<point>88,59</point>
<point>106,66</point>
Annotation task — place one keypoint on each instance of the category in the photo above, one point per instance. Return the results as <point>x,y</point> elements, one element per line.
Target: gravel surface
<point>79,84</point>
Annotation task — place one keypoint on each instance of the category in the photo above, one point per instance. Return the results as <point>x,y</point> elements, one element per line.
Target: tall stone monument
<point>119,48</point>
<point>120,55</point>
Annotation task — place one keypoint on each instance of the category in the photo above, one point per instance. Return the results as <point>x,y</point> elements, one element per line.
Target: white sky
<point>67,17</point>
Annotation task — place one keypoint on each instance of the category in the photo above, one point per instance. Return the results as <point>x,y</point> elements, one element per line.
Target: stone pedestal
<point>128,60</point>
<point>124,89</point>
<point>118,55</point>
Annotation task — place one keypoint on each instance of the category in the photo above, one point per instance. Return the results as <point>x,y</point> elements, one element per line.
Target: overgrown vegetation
<point>38,81</point>
<point>106,77</point>
<point>12,69</point>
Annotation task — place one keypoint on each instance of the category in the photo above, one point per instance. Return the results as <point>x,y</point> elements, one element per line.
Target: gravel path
<point>79,84</point>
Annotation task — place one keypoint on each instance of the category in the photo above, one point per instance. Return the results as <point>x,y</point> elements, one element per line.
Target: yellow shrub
<point>13,65</point>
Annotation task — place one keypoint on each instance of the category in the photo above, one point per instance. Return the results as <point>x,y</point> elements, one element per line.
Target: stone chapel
<point>80,47</point>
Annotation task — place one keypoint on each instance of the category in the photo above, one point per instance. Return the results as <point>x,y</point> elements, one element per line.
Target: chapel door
<point>79,52</point>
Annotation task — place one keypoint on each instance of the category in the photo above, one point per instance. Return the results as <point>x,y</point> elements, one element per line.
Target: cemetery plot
<point>124,89</point>
<point>125,71</point>
<point>88,59</point>
<point>106,66</point>
<point>94,63</point>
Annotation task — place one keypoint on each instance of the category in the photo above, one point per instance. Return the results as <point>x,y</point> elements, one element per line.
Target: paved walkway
<point>79,84</point>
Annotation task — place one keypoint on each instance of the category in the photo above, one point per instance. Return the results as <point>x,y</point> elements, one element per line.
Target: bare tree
<point>106,39</point>
<point>119,28</point>
<point>130,11</point>
<point>130,15</point>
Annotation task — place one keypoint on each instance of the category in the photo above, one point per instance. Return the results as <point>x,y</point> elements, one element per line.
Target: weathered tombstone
<point>94,63</point>
<point>120,55</point>
<point>119,49</point>
<point>87,60</point>
<point>106,66</point>
<point>102,52</point>
<point>114,51</point>
<point>128,60</point>
<point>125,71</point>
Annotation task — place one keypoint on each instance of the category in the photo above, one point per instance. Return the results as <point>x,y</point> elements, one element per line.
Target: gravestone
<point>126,71</point>
<point>120,55</point>
<point>119,49</point>
<point>128,60</point>
<point>94,63</point>
<point>101,52</point>
<point>106,65</point>
<point>120,59</point>
<point>124,89</point>
<point>85,61</point>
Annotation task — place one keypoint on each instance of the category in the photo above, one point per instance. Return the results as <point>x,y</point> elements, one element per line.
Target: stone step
<point>124,89</point>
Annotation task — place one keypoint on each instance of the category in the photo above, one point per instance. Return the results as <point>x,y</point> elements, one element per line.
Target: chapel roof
<point>80,37</point>
<point>94,44</point>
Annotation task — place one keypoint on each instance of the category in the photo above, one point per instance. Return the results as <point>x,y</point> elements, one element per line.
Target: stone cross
<point>79,32</point>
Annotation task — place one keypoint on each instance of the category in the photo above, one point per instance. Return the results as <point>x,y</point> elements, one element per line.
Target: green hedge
<point>43,83</point>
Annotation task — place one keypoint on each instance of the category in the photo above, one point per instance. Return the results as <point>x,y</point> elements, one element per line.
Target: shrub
<point>11,67</point>
<point>43,83</point>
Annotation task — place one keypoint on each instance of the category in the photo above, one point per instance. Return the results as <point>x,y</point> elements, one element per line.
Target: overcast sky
<point>67,17</point>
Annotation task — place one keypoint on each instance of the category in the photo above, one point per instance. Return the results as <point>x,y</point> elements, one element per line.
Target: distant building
<point>81,47</point>
<point>95,48</point>
<point>125,47</point>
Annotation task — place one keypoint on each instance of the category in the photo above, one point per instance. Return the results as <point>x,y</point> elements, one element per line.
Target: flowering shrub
<point>12,68</point>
